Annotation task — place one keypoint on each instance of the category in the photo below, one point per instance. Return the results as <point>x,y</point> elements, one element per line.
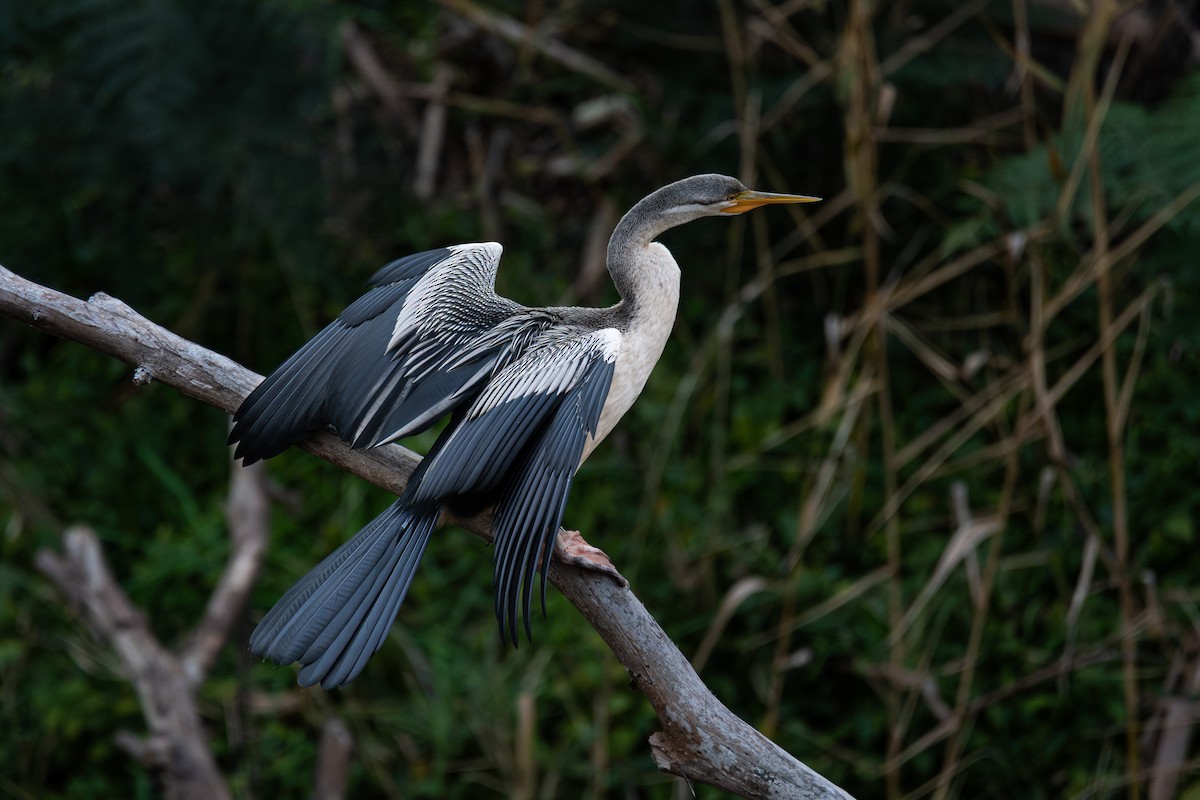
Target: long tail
<point>338,615</point>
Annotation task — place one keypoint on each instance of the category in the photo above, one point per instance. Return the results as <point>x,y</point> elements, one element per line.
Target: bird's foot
<point>571,548</point>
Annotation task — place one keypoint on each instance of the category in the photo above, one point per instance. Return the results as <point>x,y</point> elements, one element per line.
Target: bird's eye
<point>732,196</point>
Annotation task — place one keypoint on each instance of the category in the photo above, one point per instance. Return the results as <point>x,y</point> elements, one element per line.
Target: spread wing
<point>524,437</point>
<point>421,342</point>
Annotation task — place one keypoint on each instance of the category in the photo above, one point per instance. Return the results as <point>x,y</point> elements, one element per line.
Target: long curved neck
<point>647,278</point>
<point>629,258</point>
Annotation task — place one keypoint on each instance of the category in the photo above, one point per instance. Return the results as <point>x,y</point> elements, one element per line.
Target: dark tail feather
<point>338,615</point>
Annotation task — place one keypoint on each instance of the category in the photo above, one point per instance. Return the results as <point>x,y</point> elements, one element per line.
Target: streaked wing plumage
<point>422,341</point>
<point>524,436</point>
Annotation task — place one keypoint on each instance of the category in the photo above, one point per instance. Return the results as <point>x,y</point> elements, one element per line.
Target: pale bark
<point>176,747</point>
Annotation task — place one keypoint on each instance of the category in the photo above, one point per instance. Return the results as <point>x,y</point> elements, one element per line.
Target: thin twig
<point>371,69</point>
<point>433,134</point>
<point>518,33</point>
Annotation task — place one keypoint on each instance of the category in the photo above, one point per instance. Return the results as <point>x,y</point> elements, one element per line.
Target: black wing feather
<point>480,451</point>
<point>531,507</point>
<point>284,408</point>
<point>409,267</point>
<point>354,377</point>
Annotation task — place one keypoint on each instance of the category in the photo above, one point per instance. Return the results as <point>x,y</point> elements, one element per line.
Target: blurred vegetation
<point>915,481</point>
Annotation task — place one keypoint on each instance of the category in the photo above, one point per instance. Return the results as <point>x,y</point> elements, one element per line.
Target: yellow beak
<point>744,201</point>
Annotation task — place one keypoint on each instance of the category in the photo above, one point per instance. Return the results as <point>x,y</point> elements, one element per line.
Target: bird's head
<point>704,196</point>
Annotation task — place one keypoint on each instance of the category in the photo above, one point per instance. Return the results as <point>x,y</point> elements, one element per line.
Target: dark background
<point>781,497</point>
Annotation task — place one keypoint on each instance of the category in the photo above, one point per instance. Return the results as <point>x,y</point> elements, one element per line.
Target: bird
<point>529,393</point>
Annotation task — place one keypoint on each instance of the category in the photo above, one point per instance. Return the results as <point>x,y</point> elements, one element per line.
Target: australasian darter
<point>530,391</point>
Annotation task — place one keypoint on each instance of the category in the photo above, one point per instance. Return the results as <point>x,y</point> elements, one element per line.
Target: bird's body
<point>530,391</point>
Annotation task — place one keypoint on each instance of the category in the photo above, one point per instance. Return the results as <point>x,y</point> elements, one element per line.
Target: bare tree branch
<point>177,747</point>
<point>248,512</point>
<point>701,739</point>
<point>333,760</point>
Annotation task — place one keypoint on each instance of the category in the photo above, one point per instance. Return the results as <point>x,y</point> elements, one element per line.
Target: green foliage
<point>228,170</point>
